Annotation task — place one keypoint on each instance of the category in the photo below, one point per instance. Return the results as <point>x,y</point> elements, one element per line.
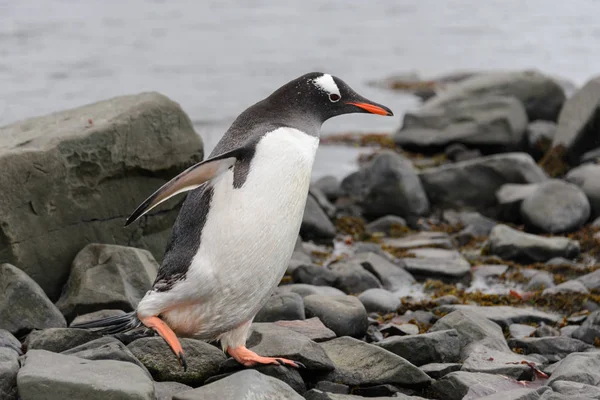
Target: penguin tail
<point>112,325</point>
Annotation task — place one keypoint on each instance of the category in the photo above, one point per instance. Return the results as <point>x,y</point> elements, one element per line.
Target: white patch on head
<point>327,84</point>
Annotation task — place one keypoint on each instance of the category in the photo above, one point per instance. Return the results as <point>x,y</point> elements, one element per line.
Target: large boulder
<point>474,183</point>
<point>387,185</point>
<point>72,177</point>
<point>587,177</point>
<point>577,130</point>
<point>491,122</point>
<point>24,305</point>
<point>346,315</point>
<point>105,277</point>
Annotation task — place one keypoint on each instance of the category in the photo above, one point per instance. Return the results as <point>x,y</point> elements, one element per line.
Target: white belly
<point>248,237</point>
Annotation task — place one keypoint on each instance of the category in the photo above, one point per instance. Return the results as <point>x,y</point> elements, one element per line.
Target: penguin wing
<point>188,180</point>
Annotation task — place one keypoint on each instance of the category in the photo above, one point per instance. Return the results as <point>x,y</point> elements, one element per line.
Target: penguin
<point>237,227</point>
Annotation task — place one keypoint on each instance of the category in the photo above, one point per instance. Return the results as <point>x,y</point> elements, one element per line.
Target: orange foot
<point>249,358</point>
<point>168,335</point>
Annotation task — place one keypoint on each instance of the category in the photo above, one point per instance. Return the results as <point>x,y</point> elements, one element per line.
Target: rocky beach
<point>459,261</point>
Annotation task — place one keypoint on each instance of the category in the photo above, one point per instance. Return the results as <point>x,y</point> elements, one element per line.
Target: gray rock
<point>518,331</point>
<point>546,331</point>
<point>555,206</point>
<point>481,358</point>
<point>305,289</point>
<point>332,387</point>
<point>391,329</point>
<point>271,340</point>
<point>575,390</point>
<point>282,306</point>
<point>248,384</point>
<point>392,276</point>
<point>482,121</point>
<point>386,225</point>
<point>539,135</point>
<point>489,272</point>
<point>591,280</point>
<point>588,179</point>
<point>349,277</point>
<point>541,95</point>
<point>47,375</point>
<point>99,172</point>
<point>379,300</point>
<point>573,286</point>
<point>568,330</point>
<point>515,394</point>
<point>589,330</point>
<point>510,196</point>
<point>316,394</point>
<point>442,264</point>
<point>511,244</point>
<point>438,370</point>
<point>458,152</point>
<point>9,366</point>
<point>447,299</point>
<point>96,315</point>
<point>59,339</point>
<point>472,327</point>
<point>346,316</point>
<point>505,315</point>
<point>316,225</point>
<point>387,185</point>
<point>540,280</point>
<point>329,185</point>
<point>576,130</point>
<point>456,385</point>
<point>312,328</point>
<point>107,276</point>
<point>434,347</point>
<point>203,360</point>
<point>478,180</point>
<point>7,340</point>
<point>105,348</point>
<point>550,395</point>
<point>578,367</point>
<point>323,201</point>
<point>592,156</point>
<point>475,226</point>
<point>23,304</point>
<point>289,376</point>
<point>359,363</point>
<point>439,240</point>
<point>166,390</point>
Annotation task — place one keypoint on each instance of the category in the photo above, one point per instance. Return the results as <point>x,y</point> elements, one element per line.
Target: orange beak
<point>373,109</point>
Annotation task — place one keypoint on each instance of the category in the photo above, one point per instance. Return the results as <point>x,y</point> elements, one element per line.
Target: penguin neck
<point>291,115</point>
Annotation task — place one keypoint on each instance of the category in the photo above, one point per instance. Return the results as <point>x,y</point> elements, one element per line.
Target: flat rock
<point>166,390</point>
<point>434,347</point>
<point>456,385</point>
<point>511,244</point>
<point>575,131</point>
<point>379,300</point>
<point>316,394</point>
<point>392,276</point>
<point>555,206</point>
<point>540,280</point>
<point>488,121</point>
<point>7,340</point>
<point>316,225</point>
<point>24,305</point>
<point>587,177</point>
<point>442,264</point>
<point>387,185</point>
<point>282,306</point>
<point>204,360</point>
<point>438,370</point>
<point>9,367</point>
<point>107,276</point>
<point>578,367</point>
<point>484,359</point>
<point>518,331</point>
<point>573,286</point>
<point>59,339</point>
<point>575,390</point>
<point>332,387</point>
<point>96,315</point>
<point>589,330</point>
<point>70,377</point>
<point>560,346</point>
<point>360,363</point>
<point>289,376</point>
<point>510,196</point>
<point>386,224</point>
<point>591,280</point>
<point>514,394</point>
<point>105,348</point>
<point>99,172</point>
<point>349,277</point>
<point>506,315</point>
<point>247,384</point>
<point>478,180</point>
<point>472,327</point>
<point>305,289</point>
<point>421,239</point>
<point>346,316</point>
<point>270,340</point>
<point>329,185</point>
<point>312,328</point>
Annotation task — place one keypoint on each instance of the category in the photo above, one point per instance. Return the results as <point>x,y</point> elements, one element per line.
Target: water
<point>217,57</point>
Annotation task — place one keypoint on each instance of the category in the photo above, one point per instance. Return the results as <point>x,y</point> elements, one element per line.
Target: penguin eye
<point>334,97</point>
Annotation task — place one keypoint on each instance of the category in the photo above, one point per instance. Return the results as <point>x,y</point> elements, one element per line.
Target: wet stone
<point>312,328</point>
<point>434,347</point>
<point>346,316</point>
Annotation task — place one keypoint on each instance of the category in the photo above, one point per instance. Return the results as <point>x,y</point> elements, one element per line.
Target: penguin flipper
<point>188,180</point>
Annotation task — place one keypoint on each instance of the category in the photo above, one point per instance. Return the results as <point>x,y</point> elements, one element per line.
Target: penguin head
<point>326,96</point>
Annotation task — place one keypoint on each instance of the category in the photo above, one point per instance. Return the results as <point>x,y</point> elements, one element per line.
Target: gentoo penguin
<point>236,231</point>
